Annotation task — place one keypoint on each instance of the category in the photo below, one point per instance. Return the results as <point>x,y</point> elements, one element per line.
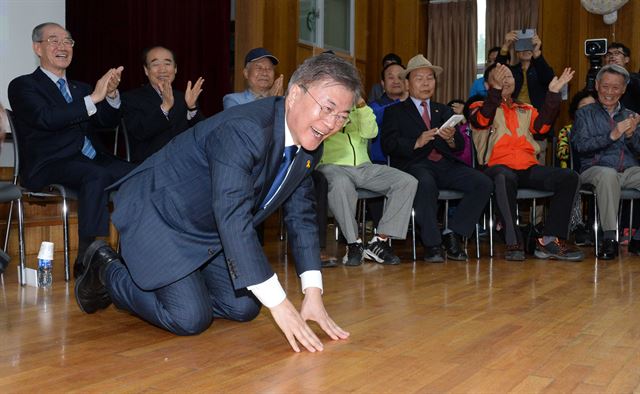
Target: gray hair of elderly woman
<point>327,67</point>
<point>614,69</point>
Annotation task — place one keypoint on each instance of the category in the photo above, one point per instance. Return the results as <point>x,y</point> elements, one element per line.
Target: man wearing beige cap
<point>413,139</point>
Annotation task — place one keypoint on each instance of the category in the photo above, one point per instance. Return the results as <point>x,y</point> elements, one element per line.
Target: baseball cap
<point>259,53</point>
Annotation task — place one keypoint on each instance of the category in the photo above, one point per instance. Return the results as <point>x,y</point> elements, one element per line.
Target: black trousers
<point>448,174</point>
<point>89,178</point>
<point>564,183</point>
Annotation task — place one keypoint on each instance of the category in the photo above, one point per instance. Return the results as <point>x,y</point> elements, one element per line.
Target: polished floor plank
<point>479,326</point>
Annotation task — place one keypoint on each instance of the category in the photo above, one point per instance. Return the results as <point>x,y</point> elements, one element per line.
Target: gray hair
<point>613,69</point>
<point>36,34</point>
<point>328,67</point>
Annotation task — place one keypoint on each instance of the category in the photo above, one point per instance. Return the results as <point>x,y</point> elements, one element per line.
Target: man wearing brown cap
<point>259,73</point>
<point>413,139</point>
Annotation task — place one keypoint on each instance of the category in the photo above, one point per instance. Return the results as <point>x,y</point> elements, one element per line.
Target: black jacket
<point>401,127</point>
<point>148,128</point>
<point>539,75</point>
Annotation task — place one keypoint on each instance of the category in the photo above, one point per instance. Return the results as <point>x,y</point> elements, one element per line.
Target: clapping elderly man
<point>606,140</point>
<point>54,117</point>
<point>259,74</point>
<point>157,112</point>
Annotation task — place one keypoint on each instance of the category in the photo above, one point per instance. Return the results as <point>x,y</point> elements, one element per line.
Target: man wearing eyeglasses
<point>187,215</point>
<point>54,117</point>
<point>619,54</point>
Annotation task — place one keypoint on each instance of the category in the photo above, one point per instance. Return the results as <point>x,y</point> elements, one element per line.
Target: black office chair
<point>56,192</point>
<point>12,193</point>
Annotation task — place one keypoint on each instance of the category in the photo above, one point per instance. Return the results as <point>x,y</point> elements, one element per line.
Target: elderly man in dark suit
<point>156,112</point>
<point>412,137</point>
<point>187,215</point>
<point>54,117</point>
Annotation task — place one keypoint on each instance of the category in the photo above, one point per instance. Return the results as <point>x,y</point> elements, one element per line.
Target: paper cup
<point>46,251</point>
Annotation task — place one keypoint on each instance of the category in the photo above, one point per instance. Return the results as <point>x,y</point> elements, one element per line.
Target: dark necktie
<point>434,155</point>
<point>87,148</point>
<point>289,153</point>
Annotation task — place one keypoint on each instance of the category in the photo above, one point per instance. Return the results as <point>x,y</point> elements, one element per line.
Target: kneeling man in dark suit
<point>187,215</point>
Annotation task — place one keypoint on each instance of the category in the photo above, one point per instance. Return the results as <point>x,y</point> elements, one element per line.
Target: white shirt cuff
<point>312,278</point>
<point>191,114</point>
<point>91,107</point>
<point>166,113</point>
<point>270,292</point>
<point>114,102</point>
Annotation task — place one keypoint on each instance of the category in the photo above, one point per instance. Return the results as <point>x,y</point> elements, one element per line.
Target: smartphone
<point>525,42</point>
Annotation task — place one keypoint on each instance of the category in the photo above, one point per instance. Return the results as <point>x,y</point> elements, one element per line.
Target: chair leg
<point>534,213</point>
<point>491,227</point>
<point>618,221</point>
<point>596,226</point>
<point>446,214</point>
<point>65,228</point>
<point>364,221</point>
<point>413,232</point>
<point>21,247</point>
<point>477,241</point>
<point>630,219</point>
<point>8,232</point>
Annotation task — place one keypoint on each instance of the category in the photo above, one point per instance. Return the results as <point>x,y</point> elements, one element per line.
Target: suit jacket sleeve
<point>394,143</point>
<point>302,227</point>
<point>143,116</point>
<point>27,97</point>
<point>235,155</point>
<point>197,118</point>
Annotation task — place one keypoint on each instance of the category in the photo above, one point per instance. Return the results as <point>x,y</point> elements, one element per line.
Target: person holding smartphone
<point>531,74</point>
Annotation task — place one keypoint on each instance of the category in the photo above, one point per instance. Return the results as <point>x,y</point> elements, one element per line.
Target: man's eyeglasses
<point>614,53</point>
<point>341,120</point>
<point>55,41</point>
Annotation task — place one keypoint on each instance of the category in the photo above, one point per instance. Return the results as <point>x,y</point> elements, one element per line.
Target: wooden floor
<point>482,326</point>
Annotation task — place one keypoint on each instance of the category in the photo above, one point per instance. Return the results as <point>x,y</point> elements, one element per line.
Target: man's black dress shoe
<point>329,263</point>
<point>91,294</point>
<point>453,247</point>
<point>634,246</point>
<point>433,254</point>
<point>78,267</point>
<point>609,249</point>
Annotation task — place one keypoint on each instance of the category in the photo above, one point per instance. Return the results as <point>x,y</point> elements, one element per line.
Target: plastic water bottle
<point>45,277</point>
<point>45,264</point>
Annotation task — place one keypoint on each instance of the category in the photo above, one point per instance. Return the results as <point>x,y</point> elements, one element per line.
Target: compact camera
<point>595,47</point>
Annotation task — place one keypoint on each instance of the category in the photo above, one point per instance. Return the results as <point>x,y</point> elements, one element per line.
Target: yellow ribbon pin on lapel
<point>308,163</point>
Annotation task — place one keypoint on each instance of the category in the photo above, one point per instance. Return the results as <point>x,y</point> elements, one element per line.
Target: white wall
<point>17,20</point>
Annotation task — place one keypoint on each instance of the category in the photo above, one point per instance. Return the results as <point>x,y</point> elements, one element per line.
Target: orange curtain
<point>451,44</point>
<point>504,16</point>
